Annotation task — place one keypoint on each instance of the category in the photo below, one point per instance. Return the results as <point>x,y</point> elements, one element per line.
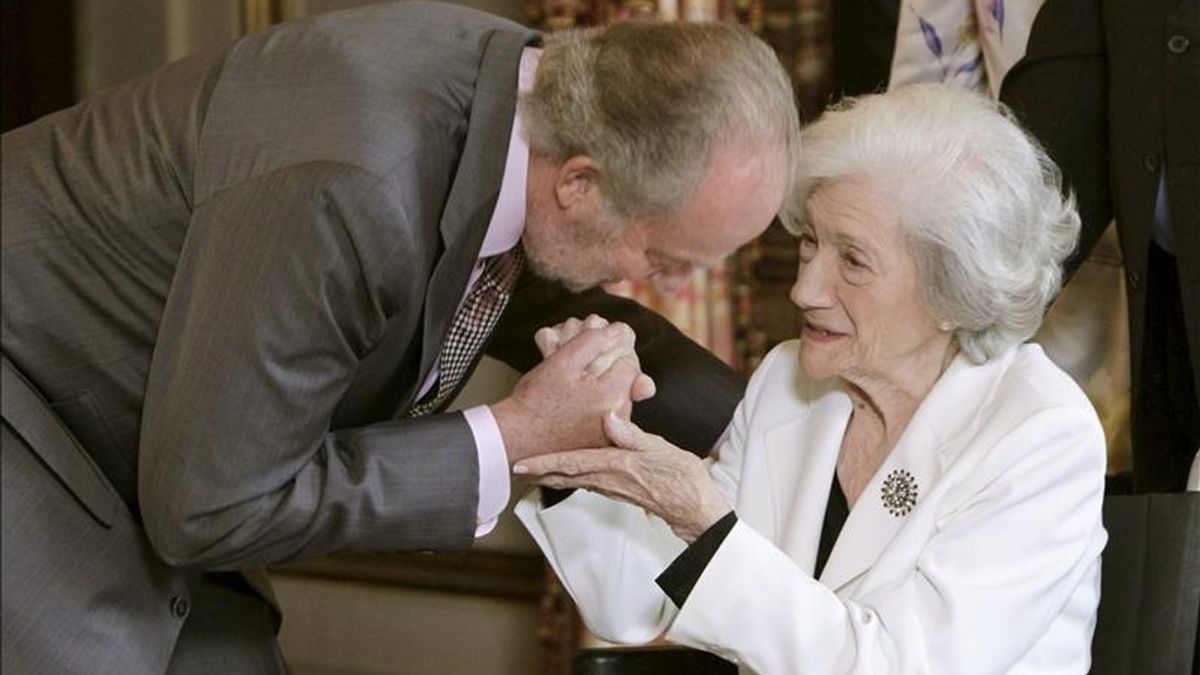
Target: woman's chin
<point>816,363</point>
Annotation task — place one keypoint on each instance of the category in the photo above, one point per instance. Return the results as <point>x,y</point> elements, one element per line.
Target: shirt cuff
<point>494,487</point>
<point>680,577</point>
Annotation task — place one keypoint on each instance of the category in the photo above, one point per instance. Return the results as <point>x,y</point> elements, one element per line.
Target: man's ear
<point>577,183</point>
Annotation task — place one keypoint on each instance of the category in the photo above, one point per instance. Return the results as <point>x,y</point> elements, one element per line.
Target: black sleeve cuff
<point>680,577</point>
<point>552,496</point>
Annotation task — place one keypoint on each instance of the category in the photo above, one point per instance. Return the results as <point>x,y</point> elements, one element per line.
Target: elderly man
<point>239,293</point>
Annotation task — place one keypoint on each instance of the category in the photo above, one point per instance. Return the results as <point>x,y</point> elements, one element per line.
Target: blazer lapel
<point>912,465</point>
<point>933,439</point>
<point>801,456</point>
<point>475,188</point>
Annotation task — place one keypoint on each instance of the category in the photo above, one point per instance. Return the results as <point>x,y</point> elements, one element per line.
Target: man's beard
<point>575,256</point>
<point>574,280</point>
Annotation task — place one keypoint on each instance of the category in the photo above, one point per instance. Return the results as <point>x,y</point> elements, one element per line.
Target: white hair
<point>979,202</point>
<point>649,102</point>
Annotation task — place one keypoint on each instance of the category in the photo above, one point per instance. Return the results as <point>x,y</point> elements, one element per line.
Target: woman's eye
<point>855,269</point>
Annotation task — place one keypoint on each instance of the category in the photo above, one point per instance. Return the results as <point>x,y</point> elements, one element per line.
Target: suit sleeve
<point>697,392</point>
<point>275,300</point>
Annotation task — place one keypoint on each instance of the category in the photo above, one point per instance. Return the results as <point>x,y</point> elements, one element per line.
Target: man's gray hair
<point>649,102</point>
<point>979,202</point>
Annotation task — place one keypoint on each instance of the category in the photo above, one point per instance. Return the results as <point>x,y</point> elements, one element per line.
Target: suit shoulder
<point>382,87</point>
<point>1033,410</point>
<point>1033,382</point>
<point>442,12</point>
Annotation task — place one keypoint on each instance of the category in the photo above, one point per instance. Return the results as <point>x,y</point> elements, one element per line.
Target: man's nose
<point>670,282</point>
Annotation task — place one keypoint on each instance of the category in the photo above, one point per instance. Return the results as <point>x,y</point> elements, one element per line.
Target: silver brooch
<point>899,492</point>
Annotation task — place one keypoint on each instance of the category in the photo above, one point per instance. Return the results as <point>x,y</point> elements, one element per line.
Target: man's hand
<point>639,468</point>
<point>560,404</point>
<point>552,338</point>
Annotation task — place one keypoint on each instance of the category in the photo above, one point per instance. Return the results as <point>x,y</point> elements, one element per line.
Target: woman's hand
<point>644,470</point>
<point>551,338</point>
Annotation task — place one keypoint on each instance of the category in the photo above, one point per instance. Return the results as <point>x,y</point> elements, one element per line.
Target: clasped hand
<point>590,369</point>
<point>627,464</point>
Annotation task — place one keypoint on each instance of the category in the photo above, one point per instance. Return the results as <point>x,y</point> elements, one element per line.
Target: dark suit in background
<point>1112,88</point>
<point>239,270</point>
<point>864,39</point>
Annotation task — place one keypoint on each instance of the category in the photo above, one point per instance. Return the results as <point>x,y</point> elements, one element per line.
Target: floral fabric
<point>968,42</point>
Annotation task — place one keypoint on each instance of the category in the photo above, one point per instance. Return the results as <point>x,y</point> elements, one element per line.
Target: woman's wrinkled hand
<point>641,469</point>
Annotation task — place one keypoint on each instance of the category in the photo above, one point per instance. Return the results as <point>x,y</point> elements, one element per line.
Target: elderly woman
<point>908,487</point>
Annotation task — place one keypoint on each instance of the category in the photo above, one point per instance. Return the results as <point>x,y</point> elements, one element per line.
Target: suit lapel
<point>936,434</point>
<point>871,525</point>
<point>473,193</point>
<point>801,456</point>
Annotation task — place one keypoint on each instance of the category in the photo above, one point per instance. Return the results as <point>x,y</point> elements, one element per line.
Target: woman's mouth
<point>814,333</point>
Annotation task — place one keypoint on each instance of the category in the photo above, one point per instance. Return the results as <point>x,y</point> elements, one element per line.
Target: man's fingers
<point>643,388</point>
<point>567,330</point>
<point>606,360</point>
<point>625,368</point>
<point>628,341</point>
<point>570,328</point>
<point>550,338</point>
<point>590,345</point>
<point>629,338</point>
<point>547,341</point>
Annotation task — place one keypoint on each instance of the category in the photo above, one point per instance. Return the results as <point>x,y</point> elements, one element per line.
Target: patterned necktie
<point>472,325</point>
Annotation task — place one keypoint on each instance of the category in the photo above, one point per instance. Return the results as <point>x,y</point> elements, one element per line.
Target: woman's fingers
<point>571,462</point>
<point>626,434</point>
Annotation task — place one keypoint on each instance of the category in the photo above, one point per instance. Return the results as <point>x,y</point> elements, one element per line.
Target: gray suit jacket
<point>227,281</point>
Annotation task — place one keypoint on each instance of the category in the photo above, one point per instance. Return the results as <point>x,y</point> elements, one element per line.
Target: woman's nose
<point>812,288</point>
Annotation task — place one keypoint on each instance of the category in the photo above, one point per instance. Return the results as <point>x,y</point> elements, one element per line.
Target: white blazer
<point>995,569</point>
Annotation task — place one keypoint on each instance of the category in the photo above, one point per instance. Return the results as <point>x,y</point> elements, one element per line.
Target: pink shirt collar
<point>508,220</point>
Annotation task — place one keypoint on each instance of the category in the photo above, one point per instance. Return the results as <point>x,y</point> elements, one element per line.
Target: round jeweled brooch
<point>899,492</point>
